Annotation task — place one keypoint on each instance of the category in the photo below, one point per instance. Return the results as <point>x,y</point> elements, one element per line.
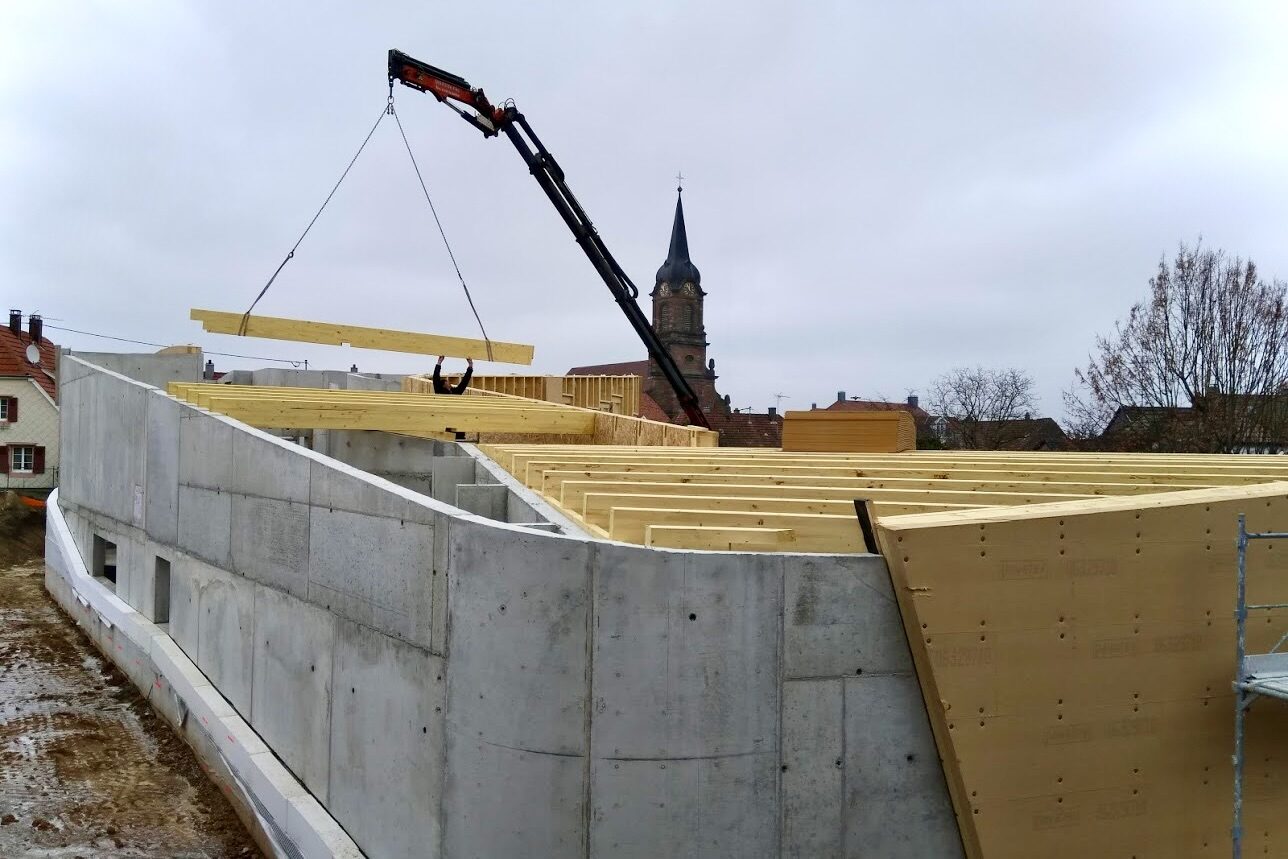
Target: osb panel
<point>1077,669</point>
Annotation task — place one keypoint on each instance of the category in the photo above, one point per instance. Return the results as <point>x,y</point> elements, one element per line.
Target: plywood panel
<point>1076,659</point>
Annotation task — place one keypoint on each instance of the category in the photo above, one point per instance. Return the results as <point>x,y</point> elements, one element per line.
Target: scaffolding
<point>1255,674</point>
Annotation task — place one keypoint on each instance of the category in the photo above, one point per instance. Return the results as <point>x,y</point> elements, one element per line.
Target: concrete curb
<point>286,820</point>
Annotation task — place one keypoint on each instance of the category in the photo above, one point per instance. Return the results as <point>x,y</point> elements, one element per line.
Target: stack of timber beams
<point>425,415</point>
<point>768,500</point>
<point>608,429</point>
<point>619,395</point>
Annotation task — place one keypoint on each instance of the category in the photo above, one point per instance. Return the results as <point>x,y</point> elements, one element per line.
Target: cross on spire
<point>679,181</point>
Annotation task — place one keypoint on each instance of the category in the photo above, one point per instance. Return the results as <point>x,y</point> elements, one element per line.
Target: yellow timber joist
<point>749,499</point>
<point>412,414</point>
<point>335,334</point>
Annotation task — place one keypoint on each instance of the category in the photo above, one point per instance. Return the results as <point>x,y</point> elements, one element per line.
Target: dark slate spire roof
<point>678,268</point>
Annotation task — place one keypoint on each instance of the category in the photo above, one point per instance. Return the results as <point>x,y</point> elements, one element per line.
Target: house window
<point>23,459</point>
<point>8,409</point>
<point>4,409</point>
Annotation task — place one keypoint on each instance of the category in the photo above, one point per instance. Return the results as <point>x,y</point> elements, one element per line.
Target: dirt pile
<point>86,767</point>
<point>22,531</point>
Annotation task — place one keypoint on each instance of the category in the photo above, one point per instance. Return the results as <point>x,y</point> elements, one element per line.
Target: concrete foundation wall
<point>445,684</point>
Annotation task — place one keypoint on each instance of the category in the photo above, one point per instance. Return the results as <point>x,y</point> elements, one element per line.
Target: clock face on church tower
<point>689,289</point>
<point>664,289</point>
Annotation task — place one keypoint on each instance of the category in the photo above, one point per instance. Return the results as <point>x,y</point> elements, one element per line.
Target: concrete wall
<point>150,369</point>
<point>290,378</point>
<point>445,684</point>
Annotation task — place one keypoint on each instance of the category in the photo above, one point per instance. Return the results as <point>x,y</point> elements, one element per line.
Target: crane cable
<point>487,341</point>
<point>386,110</point>
<point>241,329</point>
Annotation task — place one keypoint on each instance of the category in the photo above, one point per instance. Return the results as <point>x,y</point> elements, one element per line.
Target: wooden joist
<point>719,538</point>
<point>426,415</point>
<point>703,498</point>
<point>335,334</point>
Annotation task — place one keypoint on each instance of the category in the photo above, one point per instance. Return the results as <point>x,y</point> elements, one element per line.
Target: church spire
<point>678,268</point>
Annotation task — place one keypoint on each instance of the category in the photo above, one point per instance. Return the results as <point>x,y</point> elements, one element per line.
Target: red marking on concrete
<point>230,738</point>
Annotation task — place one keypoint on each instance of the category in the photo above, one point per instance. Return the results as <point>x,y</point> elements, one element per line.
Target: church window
<point>688,317</point>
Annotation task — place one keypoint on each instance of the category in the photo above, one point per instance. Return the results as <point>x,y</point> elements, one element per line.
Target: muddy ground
<point>87,769</point>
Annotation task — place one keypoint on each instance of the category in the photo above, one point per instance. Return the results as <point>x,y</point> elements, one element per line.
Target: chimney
<point>15,321</point>
<point>840,396</point>
<point>772,411</point>
<point>210,370</point>
<point>36,325</point>
<point>912,400</point>
<point>353,369</point>
<point>813,407</point>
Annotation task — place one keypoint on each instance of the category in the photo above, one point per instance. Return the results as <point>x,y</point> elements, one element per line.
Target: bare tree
<point>983,406</point>
<point>1202,364</point>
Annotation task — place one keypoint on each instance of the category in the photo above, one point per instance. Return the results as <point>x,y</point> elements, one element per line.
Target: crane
<point>492,121</point>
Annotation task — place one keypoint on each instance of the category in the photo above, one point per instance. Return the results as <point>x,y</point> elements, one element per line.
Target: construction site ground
<point>87,769</point>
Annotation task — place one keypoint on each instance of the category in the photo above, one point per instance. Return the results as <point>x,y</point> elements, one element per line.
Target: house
<point>1215,423</point>
<point>1026,433</point>
<point>28,407</point>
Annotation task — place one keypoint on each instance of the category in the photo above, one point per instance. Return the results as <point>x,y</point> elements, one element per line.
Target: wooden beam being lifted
<point>334,334</point>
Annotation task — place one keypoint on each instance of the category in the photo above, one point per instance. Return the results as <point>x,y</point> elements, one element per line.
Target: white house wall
<point>37,424</point>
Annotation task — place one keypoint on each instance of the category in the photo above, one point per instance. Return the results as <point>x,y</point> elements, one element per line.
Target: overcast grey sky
<point>875,191</point>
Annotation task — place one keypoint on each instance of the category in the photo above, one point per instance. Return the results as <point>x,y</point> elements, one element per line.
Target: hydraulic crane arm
<point>493,120</point>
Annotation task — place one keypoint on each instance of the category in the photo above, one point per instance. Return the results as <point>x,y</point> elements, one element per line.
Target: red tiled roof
<point>745,429</point>
<point>917,412</point>
<point>651,410</point>
<point>13,358</point>
<point>621,368</point>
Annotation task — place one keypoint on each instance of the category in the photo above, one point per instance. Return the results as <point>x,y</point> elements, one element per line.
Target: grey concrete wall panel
<point>226,633</point>
<point>205,450</point>
<point>340,488</point>
<point>380,452</point>
<point>510,802</point>
<point>268,468</point>
<point>692,808</point>
<point>107,406</point>
<point>517,638</point>
<point>374,570</point>
<point>291,696</point>
<point>893,774</point>
<point>488,501</point>
<point>447,473</point>
<point>686,653</point>
<point>813,780</point>
<point>517,646</point>
<point>841,617</point>
<point>148,368</point>
<point>270,542</point>
<point>387,743</point>
<point>161,488</point>
<point>185,604</point>
<point>205,524</point>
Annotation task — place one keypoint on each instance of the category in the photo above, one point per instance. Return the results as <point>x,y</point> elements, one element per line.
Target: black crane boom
<point>492,120</point>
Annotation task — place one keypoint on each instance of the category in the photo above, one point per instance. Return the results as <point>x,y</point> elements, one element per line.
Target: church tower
<point>677,317</point>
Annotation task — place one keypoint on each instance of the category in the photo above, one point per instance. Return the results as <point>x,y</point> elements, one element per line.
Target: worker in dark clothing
<point>441,387</point>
